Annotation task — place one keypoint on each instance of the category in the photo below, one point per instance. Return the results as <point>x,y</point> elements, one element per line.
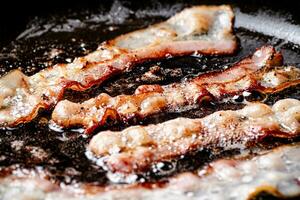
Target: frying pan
<point>15,15</point>
<point>34,35</point>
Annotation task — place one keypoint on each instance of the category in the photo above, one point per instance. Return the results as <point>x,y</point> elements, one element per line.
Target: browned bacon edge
<point>251,74</point>
<point>205,29</point>
<point>136,148</point>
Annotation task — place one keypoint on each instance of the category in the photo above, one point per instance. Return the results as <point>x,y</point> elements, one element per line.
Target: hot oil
<point>61,153</point>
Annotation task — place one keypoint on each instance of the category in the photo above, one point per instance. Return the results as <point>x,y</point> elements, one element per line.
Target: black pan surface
<point>42,34</point>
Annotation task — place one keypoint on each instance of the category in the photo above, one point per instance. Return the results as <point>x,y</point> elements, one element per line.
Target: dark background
<point>14,15</point>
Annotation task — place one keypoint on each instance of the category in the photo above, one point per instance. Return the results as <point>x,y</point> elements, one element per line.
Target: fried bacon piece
<point>136,148</point>
<point>205,29</point>
<point>276,172</point>
<point>256,73</point>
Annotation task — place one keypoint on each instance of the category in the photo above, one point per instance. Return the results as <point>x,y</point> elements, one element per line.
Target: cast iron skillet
<point>34,35</point>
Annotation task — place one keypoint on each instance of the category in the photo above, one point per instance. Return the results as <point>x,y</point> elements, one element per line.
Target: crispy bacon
<point>205,29</point>
<point>256,73</point>
<point>136,148</point>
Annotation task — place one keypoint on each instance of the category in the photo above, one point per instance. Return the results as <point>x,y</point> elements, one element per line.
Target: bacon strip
<point>276,172</point>
<point>256,73</point>
<point>205,29</point>
<point>136,148</point>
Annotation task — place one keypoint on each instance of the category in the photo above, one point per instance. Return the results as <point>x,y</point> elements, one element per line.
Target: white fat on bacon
<point>253,73</point>
<point>137,148</point>
<point>205,29</point>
